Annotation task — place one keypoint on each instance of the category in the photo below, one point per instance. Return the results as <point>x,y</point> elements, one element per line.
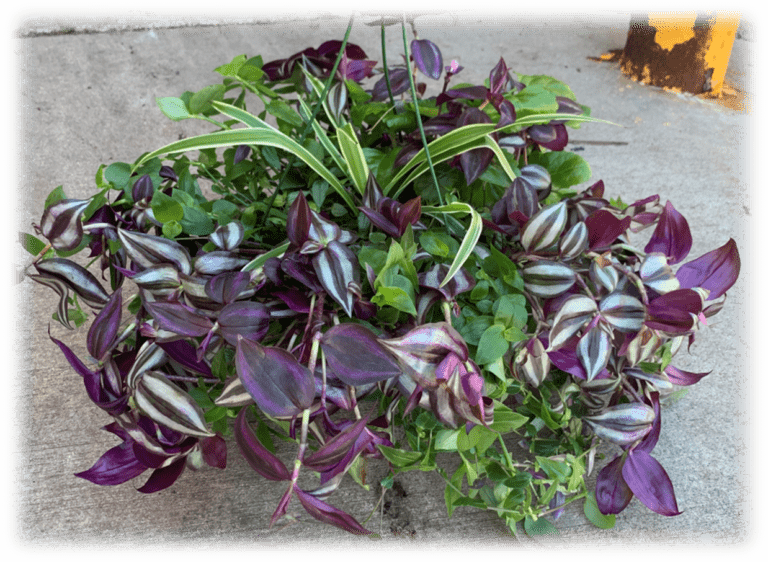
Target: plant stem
<point>386,68</point>
<point>418,121</point>
<point>308,128</point>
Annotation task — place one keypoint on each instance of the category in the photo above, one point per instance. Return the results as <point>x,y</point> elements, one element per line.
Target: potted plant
<point>380,274</point>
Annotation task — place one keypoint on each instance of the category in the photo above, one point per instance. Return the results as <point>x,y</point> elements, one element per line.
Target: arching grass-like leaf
<point>470,238</point>
<point>353,155</point>
<point>257,136</point>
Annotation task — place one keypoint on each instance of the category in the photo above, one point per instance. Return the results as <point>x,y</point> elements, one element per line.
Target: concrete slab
<point>88,99</point>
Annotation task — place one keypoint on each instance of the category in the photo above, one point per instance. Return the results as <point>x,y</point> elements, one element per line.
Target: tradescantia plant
<point>380,274</point>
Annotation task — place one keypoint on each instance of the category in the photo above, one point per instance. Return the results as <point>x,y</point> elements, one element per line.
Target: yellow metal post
<point>680,51</point>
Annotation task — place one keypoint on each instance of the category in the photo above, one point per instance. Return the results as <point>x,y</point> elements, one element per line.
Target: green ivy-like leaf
<point>592,512</point>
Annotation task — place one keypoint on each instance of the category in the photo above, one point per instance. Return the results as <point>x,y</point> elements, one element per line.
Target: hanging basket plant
<point>380,275</point>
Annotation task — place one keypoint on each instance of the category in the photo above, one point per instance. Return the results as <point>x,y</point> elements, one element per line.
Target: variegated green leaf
<point>470,238</point>
<point>275,252</point>
<point>321,135</point>
<point>354,157</point>
<point>256,136</point>
<point>167,404</point>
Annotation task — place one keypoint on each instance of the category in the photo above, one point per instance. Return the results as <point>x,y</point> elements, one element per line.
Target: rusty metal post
<point>680,51</point>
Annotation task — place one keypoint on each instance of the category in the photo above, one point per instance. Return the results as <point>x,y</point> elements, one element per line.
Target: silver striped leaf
<point>147,250</point>
<point>623,424</point>
<point>575,312</point>
<point>603,274</point>
<point>149,357</point>
<point>168,405</point>
<point>657,274</point>
<point>547,278</point>
<point>336,267</point>
<point>642,346</point>
<point>659,380</point>
<point>532,363</point>
<point>161,280</point>
<point>218,261</point>
<point>623,312</point>
<point>574,242</point>
<point>234,394</point>
<point>61,223</point>
<point>593,351</point>
<point>544,228</point>
<point>229,236</point>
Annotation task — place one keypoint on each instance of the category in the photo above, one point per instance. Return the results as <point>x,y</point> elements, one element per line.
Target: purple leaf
<point>168,405</point>
<point>398,81</point>
<point>162,478</point>
<point>683,378</point>
<point>674,312</point>
<point>594,350</point>
<point>179,318</point>
<point>604,228</point>
<point>184,354</point>
<point>116,466</point>
<point>355,355</point>
<point>241,153</point>
<point>214,450</point>
<point>329,514</point>
<point>248,319</point>
<point>611,491</point>
<point>672,236</point>
<point>143,188</point>
<point>650,440</point>
<point>427,58</point>
<point>715,271</point>
<point>498,77</point>
<point>279,384</point>
<point>282,505</point>
<point>334,450</point>
<point>103,331</point>
<point>257,455</point>
<point>474,162</point>
<point>225,288</point>
<point>299,216</point>
<point>650,483</point>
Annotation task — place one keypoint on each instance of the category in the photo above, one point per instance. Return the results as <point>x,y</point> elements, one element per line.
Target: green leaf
<point>165,208</point>
<point>277,251</point>
<point>566,168</point>
<point>540,526</point>
<point>54,197</point>
<point>446,439</point>
<point>172,229</point>
<point>396,297</point>
<point>31,244</point>
<point>592,512</point>
<point>118,174</point>
<point>554,469</point>
<point>505,419</point>
<point>173,108</point>
<point>251,71</point>
<point>197,222</point>
<point>492,345</point>
<point>400,458</point>
<point>283,111</point>
<point>473,330</point>
<point>548,83</point>
<point>231,68</point>
<point>438,243</point>
<point>201,100</point>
